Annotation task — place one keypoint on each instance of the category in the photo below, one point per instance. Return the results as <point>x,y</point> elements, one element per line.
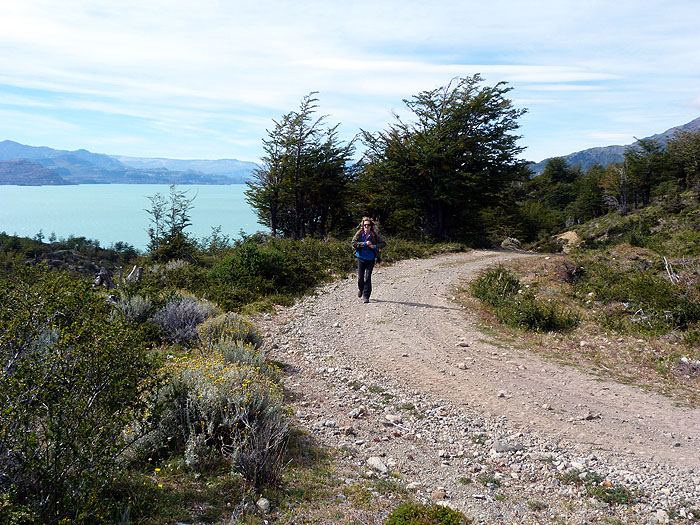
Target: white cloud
<point>21,120</point>
<point>186,69</point>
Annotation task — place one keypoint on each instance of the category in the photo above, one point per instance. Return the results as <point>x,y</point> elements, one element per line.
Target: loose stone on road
<point>412,384</point>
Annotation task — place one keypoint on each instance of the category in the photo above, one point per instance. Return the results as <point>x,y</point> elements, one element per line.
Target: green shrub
<point>398,249</point>
<point>250,273</point>
<point>71,384</point>
<point>597,487</point>
<point>489,479</point>
<point>416,514</point>
<point>526,311</point>
<point>641,300</point>
<point>551,245</point>
<point>495,286</point>
<point>181,316</point>
<point>691,337</point>
<point>230,327</point>
<point>500,289</point>
<point>536,505</point>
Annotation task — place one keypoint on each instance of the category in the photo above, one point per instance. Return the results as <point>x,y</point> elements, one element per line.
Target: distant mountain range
<point>612,154</point>
<point>36,166</point>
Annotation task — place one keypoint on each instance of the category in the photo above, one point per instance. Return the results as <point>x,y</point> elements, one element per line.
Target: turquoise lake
<point>117,212</point>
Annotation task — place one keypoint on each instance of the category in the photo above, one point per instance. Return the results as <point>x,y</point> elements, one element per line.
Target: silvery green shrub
<point>236,351</point>
<point>229,326</point>
<point>181,316</point>
<point>227,410</point>
<point>133,309</point>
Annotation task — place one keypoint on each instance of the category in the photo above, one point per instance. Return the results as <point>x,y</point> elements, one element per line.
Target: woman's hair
<point>364,219</point>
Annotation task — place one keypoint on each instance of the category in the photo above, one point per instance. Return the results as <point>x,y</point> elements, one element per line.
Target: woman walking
<point>366,244</point>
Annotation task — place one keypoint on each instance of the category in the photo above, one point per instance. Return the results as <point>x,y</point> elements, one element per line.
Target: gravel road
<point>409,386</point>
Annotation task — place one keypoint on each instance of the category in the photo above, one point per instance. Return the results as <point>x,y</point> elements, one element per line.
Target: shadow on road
<point>421,305</point>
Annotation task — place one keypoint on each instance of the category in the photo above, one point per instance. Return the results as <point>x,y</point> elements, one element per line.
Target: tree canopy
<point>302,187</point>
<point>446,171</point>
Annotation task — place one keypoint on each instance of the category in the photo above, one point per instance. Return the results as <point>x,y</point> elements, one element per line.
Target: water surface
<point>117,212</point>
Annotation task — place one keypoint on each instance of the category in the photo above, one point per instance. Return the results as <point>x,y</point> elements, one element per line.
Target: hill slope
<point>27,173</point>
<point>235,169</point>
<point>612,154</point>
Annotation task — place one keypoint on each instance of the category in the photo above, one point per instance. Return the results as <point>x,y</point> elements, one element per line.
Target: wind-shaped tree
<point>302,187</point>
<point>455,159</point>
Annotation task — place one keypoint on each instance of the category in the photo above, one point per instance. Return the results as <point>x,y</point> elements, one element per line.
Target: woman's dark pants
<point>364,276</point>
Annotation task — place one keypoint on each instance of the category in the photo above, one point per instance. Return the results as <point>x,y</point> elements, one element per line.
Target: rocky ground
<point>409,389</point>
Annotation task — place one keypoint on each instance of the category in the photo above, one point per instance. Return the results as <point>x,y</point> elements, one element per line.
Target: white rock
<point>264,505</point>
<point>354,414</point>
<point>377,464</point>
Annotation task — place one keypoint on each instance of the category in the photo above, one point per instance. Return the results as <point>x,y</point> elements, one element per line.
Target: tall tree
<point>169,219</point>
<point>302,186</point>
<point>684,151</point>
<point>645,163</point>
<point>615,185</point>
<point>456,157</point>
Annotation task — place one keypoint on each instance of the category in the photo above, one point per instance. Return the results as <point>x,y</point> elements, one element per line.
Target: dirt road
<point>415,342</point>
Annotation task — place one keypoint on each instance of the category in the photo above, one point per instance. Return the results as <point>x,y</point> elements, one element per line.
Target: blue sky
<point>204,79</point>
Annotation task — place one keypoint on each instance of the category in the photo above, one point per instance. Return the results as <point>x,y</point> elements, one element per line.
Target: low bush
<point>230,327</point>
<point>500,289</point>
<point>596,487</point>
<point>260,267</point>
<point>495,286</point>
<point>550,245</point>
<point>642,300</point>
<point>181,316</point>
<point>526,311</point>
<point>418,514</point>
<point>239,352</point>
<point>398,249</point>
<point>212,409</point>
<point>133,308</point>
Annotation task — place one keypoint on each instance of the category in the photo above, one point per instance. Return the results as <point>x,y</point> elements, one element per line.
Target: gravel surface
<point>407,387</point>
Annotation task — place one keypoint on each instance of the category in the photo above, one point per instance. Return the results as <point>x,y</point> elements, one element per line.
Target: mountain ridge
<point>605,155</point>
<point>85,167</point>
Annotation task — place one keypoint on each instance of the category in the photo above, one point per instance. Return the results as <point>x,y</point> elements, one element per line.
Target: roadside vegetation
<point>146,396</point>
<point>634,291</point>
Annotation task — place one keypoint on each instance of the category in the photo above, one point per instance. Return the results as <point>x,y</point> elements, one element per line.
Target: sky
<point>204,80</point>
